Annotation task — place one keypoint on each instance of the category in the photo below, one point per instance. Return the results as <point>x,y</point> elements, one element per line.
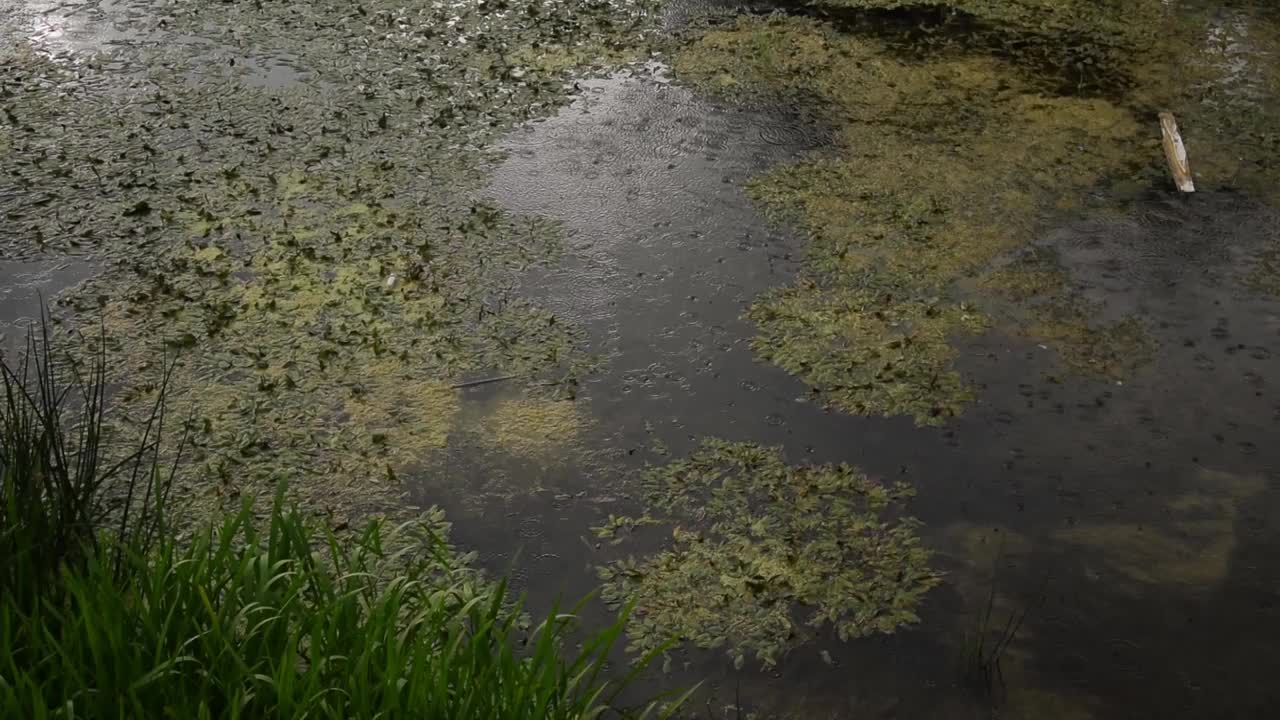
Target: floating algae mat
<point>1219,67</point>
<point>920,221</point>
<point>532,428</point>
<point>943,168</point>
<point>312,256</point>
<point>1115,23</point>
<point>753,539</point>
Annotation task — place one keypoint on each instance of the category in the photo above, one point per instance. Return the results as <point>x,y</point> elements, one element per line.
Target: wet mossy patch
<point>761,550</point>
<point>943,167</point>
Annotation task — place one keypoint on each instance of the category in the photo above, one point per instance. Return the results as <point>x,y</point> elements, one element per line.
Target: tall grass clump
<point>106,613</point>
<point>58,492</point>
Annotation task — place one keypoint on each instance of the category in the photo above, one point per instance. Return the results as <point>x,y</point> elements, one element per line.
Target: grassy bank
<point>106,612</point>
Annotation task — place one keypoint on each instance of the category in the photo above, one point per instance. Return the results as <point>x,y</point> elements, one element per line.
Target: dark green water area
<point>864,346</point>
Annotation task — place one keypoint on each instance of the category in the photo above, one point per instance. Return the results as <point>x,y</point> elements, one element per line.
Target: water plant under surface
<point>985,644</point>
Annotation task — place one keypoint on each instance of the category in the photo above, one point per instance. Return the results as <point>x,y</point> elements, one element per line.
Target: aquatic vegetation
<point>1025,280</point>
<point>63,478</point>
<point>407,416</point>
<point>943,167</point>
<point>332,343</point>
<point>1118,24</point>
<point>986,645</point>
<point>754,540</point>
<point>979,547</point>
<point>866,352</point>
<point>315,252</point>
<point>101,599</point>
<point>1104,351</point>
<point>290,622</point>
<point>531,427</point>
<point>1191,546</point>
<point>1218,67</point>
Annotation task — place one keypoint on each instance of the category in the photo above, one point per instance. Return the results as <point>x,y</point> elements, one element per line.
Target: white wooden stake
<point>1176,153</point>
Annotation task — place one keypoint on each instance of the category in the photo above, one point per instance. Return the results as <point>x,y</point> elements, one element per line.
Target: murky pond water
<point>26,286</point>
<point>504,259</point>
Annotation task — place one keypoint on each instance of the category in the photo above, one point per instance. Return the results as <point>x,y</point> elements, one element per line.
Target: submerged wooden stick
<point>485,381</point>
<point>1176,153</point>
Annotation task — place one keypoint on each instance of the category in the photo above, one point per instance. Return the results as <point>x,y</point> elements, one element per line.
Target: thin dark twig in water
<point>983,667</point>
<point>485,381</point>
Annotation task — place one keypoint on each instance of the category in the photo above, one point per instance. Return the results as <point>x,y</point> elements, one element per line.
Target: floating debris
<point>1175,152</point>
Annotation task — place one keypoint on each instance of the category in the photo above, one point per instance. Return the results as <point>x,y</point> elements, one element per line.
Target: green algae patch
<point>992,565</point>
<point>1190,546</point>
<point>868,353</point>
<point>531,427</point>
<point>943,167</point>
<point>760,550</point>
<point>1099,30</point>
<point>981,555</point>
<point>1022,283</point>
<point>312,254</point>
<point>1218,68</point>
<point>1103,351</point>
<point>980,546</point>
<point>1198,554</point>
<point>408,416</point>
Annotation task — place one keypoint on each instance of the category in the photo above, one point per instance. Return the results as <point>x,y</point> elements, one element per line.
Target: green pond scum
<point>941,169</point>
<point>1081,38</point>
<point>1218,68</point>
<point>946,167</point>
<point>761,550</point>
<point>314,255</point>
<point>531,428</point>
